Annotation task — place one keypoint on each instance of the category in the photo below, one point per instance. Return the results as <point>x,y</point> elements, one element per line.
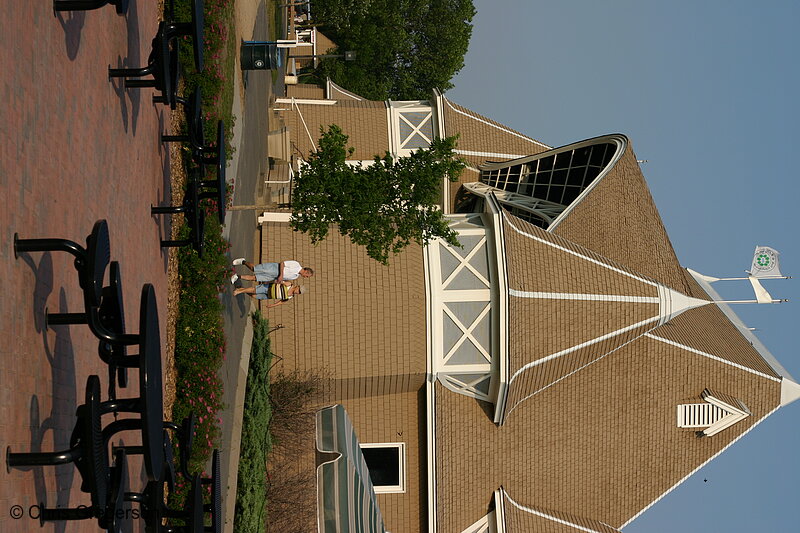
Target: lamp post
<point>348,56</point>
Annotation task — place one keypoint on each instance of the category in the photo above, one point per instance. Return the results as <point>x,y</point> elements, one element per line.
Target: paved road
<point>250,161</point>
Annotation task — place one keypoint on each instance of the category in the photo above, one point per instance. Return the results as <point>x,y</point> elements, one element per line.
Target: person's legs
<point>243,261</point>
<point>244,290</point>
<point>266,272</point>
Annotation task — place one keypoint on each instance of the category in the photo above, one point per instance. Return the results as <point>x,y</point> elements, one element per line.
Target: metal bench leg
<point>22,459</point>
<point>78,5</point>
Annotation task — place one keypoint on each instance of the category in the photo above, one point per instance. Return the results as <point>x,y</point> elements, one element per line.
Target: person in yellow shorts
<point>283,292</point>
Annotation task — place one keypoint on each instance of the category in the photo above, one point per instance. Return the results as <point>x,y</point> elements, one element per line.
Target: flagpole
<point>748,301</point>
<point>759,277</point>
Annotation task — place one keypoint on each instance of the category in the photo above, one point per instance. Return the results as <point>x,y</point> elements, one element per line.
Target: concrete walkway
<point>253,90</point>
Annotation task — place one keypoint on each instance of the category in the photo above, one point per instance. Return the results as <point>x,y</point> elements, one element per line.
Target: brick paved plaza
<point>75,148</point>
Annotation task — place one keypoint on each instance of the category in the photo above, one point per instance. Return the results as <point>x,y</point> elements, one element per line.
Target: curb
<point>232,477</point>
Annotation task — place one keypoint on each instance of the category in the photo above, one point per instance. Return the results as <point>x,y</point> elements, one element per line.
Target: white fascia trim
<point>501,286</point>
<point>499,511</point>
<point>390,128</point>
<point>550,517</point>
<point>304,101</point>
<point>587,297</point>
<point>430,395</point>
<point>438,115</point>
<point>489,154</point>
<point>743,329</point>
<point>710,356</point>
<point>506,130</point>
<point>648,506</point>
<point>622,143</point>
<point>275,216</point>
<point>581,256</point>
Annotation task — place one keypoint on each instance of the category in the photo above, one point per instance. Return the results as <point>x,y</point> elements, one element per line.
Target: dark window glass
<point>383,465</point>
<point>531,168</point>
<point>591,173</point>
<point>527,216</point>
<point>559,177</point>
<point>599,154</point>
<point>546,163</point>
<point>540,191</point>
<point>563,159</point>
<point>576,175</point>
<point>581,156</point>
<point>610,151</point>
<point>525,188</point>
<point>570,193</point>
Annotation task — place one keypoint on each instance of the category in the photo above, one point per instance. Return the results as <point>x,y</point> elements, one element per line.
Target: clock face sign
<point>765,260</point>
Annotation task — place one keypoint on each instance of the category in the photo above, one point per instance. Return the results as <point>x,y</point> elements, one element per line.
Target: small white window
<point>412,126</point>
<point>386,462</point>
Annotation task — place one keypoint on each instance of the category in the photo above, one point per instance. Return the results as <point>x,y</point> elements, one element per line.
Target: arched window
<point>541,187</point>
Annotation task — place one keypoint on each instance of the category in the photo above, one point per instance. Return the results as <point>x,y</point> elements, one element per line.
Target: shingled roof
<point>590,436</point>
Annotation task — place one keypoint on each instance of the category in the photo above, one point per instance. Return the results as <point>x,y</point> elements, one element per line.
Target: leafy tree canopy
<point>384,206</point>
<point>404,48</point>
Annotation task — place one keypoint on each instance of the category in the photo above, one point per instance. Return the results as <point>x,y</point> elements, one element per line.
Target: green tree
<point>404,48</point>
<point>384,206</point>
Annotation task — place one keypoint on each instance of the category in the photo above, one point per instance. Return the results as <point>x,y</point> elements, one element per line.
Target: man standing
<point>269,272</point>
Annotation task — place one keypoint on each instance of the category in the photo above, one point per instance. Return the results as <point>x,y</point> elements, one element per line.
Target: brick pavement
<point>74,148</point>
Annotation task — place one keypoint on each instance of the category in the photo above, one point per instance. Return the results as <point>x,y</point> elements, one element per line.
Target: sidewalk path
<point>253,90</point>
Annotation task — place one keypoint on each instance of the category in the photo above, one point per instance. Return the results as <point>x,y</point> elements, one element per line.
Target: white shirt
<point>291,270</point>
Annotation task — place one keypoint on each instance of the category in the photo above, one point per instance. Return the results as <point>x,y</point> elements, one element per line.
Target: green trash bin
<point>260,55</point>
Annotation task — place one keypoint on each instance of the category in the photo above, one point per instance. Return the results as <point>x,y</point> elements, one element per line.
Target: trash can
<point>260,55</point>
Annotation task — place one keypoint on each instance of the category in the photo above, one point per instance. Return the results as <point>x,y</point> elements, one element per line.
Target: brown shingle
<point>603,444</point>
<point>619,220</point>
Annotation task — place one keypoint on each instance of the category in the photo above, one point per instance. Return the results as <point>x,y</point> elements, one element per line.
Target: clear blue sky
<point>707,92</point>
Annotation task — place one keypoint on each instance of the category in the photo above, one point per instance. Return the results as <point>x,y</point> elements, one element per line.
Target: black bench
<point>193,29</point>
<point>216,156</point>
<point>87,452</point>
<point>111,311</point>
<point>90,261</point>
<point>195,216</point>
<point>162,65</point>
<point>86,5</point>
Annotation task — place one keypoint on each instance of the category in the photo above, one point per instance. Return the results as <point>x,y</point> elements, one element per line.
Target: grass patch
<point>251,494</point>
<point>277,28</point>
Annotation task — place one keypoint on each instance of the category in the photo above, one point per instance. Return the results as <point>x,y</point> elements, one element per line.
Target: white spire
<point>672,303</point>
<point>790,391</point>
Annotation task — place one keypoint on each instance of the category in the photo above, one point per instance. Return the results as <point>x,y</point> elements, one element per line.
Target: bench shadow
<point>65,401</point>
<point>134,59</point>
<point>164,222</point>
<point>72,24</point>
<point>61,419</point>
<point>130,101</point>
<point>43,274</point>
<point>118,85</point>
